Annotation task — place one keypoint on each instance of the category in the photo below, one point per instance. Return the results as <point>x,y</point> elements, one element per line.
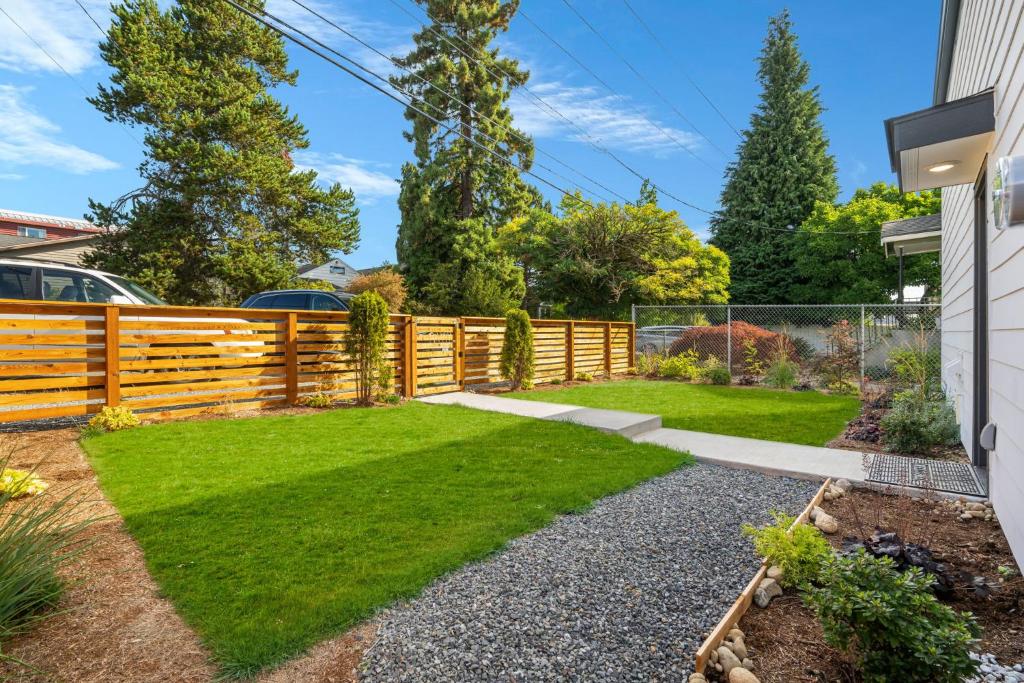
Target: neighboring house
<point>335,271</point>
<point>977,117</point>
<point>42,237</point>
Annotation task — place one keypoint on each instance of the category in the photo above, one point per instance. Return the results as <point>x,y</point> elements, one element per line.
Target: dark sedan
<point>297,300</point>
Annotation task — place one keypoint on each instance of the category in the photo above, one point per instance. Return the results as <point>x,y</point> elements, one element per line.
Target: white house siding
<point>989,52</point>
<point>323,272</point>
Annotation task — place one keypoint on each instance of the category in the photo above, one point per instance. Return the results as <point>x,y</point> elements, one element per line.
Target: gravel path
<point>625,592</point>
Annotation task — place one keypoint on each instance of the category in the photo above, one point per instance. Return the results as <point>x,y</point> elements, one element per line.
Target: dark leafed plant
<point>842,358</point>
<point>891,622</point>
<point>517,349</point>
<point>368,329</point>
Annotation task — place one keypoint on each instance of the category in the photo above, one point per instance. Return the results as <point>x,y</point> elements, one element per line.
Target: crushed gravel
<point>626,591</point>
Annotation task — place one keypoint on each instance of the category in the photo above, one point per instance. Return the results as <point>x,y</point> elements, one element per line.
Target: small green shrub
<point>713,371</point>
<point>517,349</point>
<point>385,382</point>
<point>681,366</point>
<point>752,364</point>
<point>914,425</point>
<point>648,364</point>
<point>583,376</point>
<point>556,381</point>
<point>891,622</point>
<point>781,374</point>
<point>391,399</point>
<point>114,419</point>
<point>317,400</point>
<point>368,321</point>
<point>800,553</point>
<point>916,369</point>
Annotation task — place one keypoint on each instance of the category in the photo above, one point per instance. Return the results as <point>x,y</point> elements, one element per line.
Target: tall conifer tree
<point>782,169</point>
<point>456,194</point>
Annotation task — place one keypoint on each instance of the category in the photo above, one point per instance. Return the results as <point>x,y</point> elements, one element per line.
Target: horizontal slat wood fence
<point>70,359</point>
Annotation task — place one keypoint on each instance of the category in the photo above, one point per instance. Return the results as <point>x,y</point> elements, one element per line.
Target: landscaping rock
<point>739,648</point>
<point>741,675</point>
<point>728,660</point>
<point>626,591</point>
<point>733,634</point>
<point>697,678</point>
<point>748,664</point>
<point>826,522</point>
<point>993,672</point>
<point>843,484</point>
<point>766,590</point>
<point>774,572</point>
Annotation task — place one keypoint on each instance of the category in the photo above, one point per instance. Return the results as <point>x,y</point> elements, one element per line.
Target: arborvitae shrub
<point>368,329</point>
<point>517,349</point>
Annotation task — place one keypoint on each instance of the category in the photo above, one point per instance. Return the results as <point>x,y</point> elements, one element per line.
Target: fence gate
<point>436,344</point>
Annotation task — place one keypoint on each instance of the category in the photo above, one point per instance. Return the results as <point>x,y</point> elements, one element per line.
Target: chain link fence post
<point>728,338</point>
<point>863,343</point>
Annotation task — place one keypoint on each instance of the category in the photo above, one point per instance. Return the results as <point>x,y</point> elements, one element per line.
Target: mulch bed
<point>787,642</point>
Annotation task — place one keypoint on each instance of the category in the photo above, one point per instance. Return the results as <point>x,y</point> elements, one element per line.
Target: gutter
<point>948,23</point>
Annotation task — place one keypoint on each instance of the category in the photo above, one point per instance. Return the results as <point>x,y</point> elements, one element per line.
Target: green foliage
<point>114,419</point>
<point>584,376</point>
<point>597,260</point>
<point>713,371</point>
<point>782,373</point>
<point>454,195</point>
<point>783,168</point>
<point>841,361</point>
<point>916,368</point>
<point>839,256</point>
<point>385,382</point>
<point>681,366</point>
<point>318,400</point>
<point>800,550</point>
<point>915,425</point>
<point>648,364</point>
<point>517,349</point>
<point>18,483</point>
<point>223,212</point>
<point>368,329</point>
<point>891,622</point>
<point>38,536</point>
<point>752,364</point>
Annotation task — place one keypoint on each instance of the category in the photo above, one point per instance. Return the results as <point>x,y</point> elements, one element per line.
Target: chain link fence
<point>840,347</point>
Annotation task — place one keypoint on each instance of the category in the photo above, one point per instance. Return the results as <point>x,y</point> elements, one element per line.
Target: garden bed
<point>786,641</point>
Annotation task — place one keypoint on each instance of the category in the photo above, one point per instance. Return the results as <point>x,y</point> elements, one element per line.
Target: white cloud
<point>59,26</point>
<point>30,139</point>
<point>369,185</point>
<point>11,176</point>
<point>614,121</point>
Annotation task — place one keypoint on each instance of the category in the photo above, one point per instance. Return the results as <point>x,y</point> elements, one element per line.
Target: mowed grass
<point>803,417</point>
<point>272,533</point>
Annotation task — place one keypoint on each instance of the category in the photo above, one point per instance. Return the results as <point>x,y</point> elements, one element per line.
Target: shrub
<point>317,400</point>
<point>385,382</point>
<point>841,361</point>
<point>386,282</point>
<point>364,343</point>
<point>517,349</point>
<point>915,426</point>
<point>648,364</point>
<point>583,376</point>
<point>891,622</point>
<point>915,369</point>
<point>556,380</point>
<point>713,340</point>
<point>682,366</point>
<point>114,419</point>
<point>18,483</point>
<point>781,374</point>
<point>752,364</point>
<point>391,399</point>
<point>713,371</point>
<point>800,552</point>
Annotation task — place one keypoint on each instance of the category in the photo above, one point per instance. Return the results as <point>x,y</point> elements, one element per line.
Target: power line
<point>639,75</point>
<point>65,71</point>
<point>679,66</point>
<point>450,96</point>
<point>553,112</point>
<point>384,92</point>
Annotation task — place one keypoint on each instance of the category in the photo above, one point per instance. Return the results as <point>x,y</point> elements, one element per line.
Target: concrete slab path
<point>772,457</point>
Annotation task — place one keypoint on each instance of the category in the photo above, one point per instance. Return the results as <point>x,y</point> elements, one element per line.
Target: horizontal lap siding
<point>989,53</point>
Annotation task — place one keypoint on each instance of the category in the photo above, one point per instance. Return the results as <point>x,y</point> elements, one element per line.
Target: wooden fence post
<point>409,359</point>
<point>112,346</point>
<point>607,350</point>
<point>570,351</point>
<point>291,358</point>
<point>631,340</point>
<point>459,338</point>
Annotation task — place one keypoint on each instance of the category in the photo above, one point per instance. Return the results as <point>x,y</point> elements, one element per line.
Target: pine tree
<point>783,168</point>
<point>223,212</point>
<point>456,194</point>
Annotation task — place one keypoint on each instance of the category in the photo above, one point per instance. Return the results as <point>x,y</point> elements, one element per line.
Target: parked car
<point>298,300</point>
<point>658,338</point>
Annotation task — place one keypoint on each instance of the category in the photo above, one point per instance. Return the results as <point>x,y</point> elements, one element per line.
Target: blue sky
<point>871,59</point>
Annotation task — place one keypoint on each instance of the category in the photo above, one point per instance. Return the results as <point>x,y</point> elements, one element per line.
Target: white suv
<point>43,281</point>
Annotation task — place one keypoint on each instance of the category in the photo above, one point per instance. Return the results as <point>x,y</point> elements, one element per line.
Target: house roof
<point>41,219</point>
<point>912,226</point>
<point>46,244</point>
<point>14,240</point>
<point>308,267</point>
<point>918,235</point>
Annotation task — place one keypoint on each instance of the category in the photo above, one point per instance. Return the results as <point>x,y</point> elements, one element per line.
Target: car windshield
<point>138,290</point>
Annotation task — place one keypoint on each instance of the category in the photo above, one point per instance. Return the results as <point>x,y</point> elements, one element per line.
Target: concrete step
<point>619,422</point>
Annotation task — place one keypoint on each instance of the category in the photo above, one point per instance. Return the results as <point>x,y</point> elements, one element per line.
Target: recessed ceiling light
<point>942,167</point>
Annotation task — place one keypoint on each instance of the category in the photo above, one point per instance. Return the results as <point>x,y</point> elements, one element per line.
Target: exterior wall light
<point>1008,192</point>
<point>942,167</point>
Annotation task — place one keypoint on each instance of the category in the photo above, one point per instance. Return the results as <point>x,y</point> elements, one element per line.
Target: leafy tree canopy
<point>223,213</point>
<point>836,266</point>
<point>783,168</point>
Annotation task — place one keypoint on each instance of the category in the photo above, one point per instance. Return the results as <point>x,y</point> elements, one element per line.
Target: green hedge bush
<point>368,328</point>
<point>801,554</point>
<point>517,349</point>
<point>915,425</point>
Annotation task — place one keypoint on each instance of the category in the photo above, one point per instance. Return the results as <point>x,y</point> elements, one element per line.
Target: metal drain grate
<point>940,475</point>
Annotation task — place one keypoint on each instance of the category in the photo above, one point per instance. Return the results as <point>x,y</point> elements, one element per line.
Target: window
<point>323,302</point>
<point>337,269</point>
<point>138,290</point>
<point>16,282</point>
<point>26,231</point>
<point>63,285</point>
<point>291,300</point>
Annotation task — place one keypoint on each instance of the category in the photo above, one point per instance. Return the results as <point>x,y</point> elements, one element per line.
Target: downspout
<point>948,22</point>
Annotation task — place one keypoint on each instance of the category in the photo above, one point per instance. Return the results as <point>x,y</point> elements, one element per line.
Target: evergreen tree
<point>783,168</point>
<point>456,194</point>
<point>223,212</point>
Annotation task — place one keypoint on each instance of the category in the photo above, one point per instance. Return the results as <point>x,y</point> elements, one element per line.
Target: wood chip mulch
<point>787,642</point>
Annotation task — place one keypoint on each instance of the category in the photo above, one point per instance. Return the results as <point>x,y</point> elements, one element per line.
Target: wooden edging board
<point>742,603</point>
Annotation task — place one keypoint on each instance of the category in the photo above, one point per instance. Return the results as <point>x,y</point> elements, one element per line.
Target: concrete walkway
<point>773,457</point>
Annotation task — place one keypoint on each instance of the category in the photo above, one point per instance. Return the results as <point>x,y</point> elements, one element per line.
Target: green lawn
<point>272,533</point>
<point>804,417</point>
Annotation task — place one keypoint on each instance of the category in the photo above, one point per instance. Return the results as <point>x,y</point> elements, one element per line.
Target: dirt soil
<point>787,642</point>
<point>112,624</point>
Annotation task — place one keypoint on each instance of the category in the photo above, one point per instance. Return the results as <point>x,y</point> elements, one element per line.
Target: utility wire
<point>679,66</point>
<point>512,131</point>
<point>65,71</point>
<point>553,112</point>
<point>639,74</point>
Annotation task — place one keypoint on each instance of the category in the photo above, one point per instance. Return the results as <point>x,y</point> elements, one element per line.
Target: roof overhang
<point>918,235</point>
<point>942,145</point>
